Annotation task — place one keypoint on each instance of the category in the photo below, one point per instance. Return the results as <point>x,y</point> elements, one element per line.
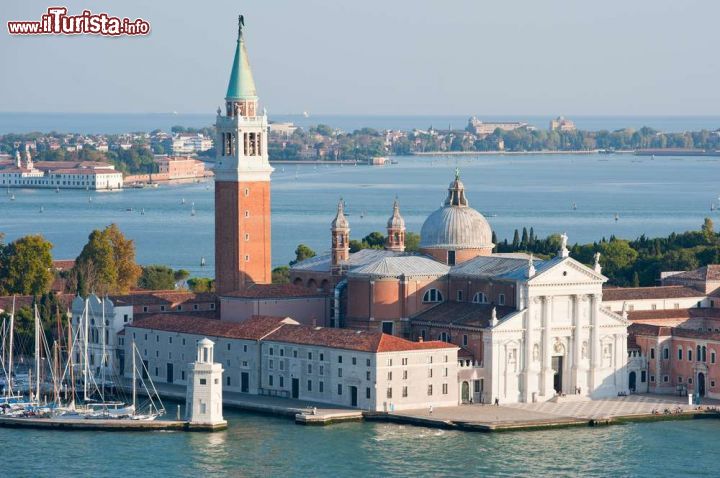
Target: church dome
<point>456,225</point>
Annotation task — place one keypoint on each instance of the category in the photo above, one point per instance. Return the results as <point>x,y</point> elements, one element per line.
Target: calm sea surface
<point>267,446</point>
<point>654,197</point>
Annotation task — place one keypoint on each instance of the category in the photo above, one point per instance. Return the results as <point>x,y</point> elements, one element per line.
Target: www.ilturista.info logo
<point>57,22</point>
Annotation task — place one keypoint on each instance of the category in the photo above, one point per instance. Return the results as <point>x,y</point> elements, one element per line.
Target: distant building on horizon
<point>482,128</point>
<point>562,124</point>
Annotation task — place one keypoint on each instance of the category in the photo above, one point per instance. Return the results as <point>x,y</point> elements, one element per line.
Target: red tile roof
<point>64,264</point>
<point>348,339</point>
<point>161,297</point>
<point>267,291</point>
<point>674,314</point>
<point>648,293</point>
<point>464,314</point>
<point>253,328</point>
<point>710,272</point>
<point>27,301</point>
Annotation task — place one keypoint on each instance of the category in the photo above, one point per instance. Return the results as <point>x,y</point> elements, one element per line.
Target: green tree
<point>374,240</point>
<point>302,252</point>
<point>412,241</point>
<point>181,275</point>
<point>201,284</point>
<point>617,257</point>
<point>157,277</point>
<point>708,230</point>
<point>106,265</point>
<point>26,267</point>
<point>281,275</point>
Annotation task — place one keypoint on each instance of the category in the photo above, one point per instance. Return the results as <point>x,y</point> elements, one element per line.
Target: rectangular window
<point>203,381</point>
<point>459,296</point>
<point>271,364</point>
<point>309,385</point>
<point>389,376</point>
<point>643,376</point>
<point>404,361</point>
<point>322,357</point>
<point>367,392</point>
<point>405,391</point>
<point>429,390</point>
<point>367,375</point>
<point>309,355</point>
<point>389,392</point>
<point>321,387</point>
<point>666,353</point>
<point>367,362</point>
<point>429,373</point>
<point>501,299</point>
<point>652,353</point>
<point>322,369</point>
<point>282,352</point>
<point>680,354</point>
<point>354,361</point>
<point>389,362</point>
<point>227,380</point>
<point>712,357</point>
<point>339,358</point>
<point>404,374</point>
<point>465,340</point>
<point>445,389</point>
<point>339,372</point>
<point>689,355</point>
<point>272,351</point>
<point>652,378</point>
<point>339,388</point>
<point>679,379</point>
<point>666,378</point>
<point>270,380</point>
<point>309,368</point>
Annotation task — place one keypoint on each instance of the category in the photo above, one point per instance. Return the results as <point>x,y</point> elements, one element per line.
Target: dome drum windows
<point>432,296</point>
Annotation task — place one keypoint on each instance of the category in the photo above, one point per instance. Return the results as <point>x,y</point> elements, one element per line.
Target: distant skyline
<point>377,58</point>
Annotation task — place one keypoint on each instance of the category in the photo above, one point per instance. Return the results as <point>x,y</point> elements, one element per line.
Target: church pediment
<point>566,271</point>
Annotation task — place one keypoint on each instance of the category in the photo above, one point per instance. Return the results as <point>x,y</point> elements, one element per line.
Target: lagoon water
<point>268,446</point>
<point>652,197</point>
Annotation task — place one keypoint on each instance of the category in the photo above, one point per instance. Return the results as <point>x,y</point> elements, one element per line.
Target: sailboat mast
<point>37,355</point>
<point>10,359</point>
<point>70,348</point>
<point>86,327</point>
<point>102,359</point>
<point>134,380</point>
<point>56,372</point>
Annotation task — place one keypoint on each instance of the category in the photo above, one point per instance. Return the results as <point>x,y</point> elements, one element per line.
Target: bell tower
<point>242,182</point>
<point>340,229</point>
<point>395,240</point>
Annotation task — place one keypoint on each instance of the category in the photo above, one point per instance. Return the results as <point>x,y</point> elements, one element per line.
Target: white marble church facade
<point>560,341</point>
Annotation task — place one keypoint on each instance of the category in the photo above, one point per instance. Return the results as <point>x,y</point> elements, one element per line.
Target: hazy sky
<point>532,57</point>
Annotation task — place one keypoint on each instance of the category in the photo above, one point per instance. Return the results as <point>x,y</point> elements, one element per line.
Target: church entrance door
<point>701,384</point>
<point>557,366</point>
<point>633,379</point>
<point>465,392</point>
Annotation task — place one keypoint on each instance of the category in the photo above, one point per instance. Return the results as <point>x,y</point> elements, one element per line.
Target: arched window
<point>501,299</point>
<point>479,298</point>
<point>704,354</point>
<point>432,295</point>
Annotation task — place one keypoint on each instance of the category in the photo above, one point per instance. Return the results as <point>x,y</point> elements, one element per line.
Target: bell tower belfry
<point>242,182</point>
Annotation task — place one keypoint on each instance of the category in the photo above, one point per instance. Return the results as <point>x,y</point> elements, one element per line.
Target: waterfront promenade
<point>474,417</point>
<point>525,416</point>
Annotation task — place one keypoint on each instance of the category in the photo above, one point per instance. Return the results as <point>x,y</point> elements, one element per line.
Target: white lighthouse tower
<point>203,402</point>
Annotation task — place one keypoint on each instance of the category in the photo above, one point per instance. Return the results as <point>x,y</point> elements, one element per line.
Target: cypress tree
<point>516,240</point>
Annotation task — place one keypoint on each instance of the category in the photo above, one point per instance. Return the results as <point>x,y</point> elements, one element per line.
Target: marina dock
<point>103,425</point>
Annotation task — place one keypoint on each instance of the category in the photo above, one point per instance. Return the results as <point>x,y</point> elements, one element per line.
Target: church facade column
<point>577,342</point>
<point>528,352</point>
<point>546,386</point>
<point>594,341</point>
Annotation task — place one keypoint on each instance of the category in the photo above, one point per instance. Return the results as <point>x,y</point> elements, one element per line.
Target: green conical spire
<point>242,85</point>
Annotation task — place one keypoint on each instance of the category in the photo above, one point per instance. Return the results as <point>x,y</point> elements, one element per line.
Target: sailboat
<point>574,206</point>
<point>57,189</point>
<point>617,217</point>
<point>12,198</point>
<point>192,211</point>
<point>42,209</point>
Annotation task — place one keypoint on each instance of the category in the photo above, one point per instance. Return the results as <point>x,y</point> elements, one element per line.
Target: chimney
<point>420,339</point>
